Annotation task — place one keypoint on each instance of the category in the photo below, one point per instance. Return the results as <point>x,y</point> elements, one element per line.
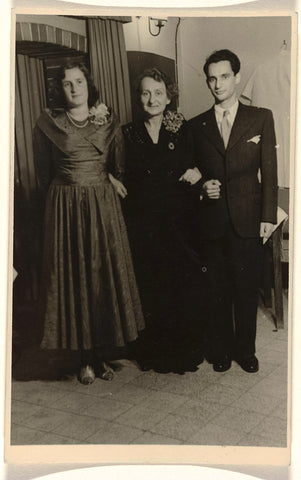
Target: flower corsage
<point>99,115</point>
<point>172,122</point>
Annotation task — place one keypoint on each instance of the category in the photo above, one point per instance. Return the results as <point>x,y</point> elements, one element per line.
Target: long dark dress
<point>89,296</point>
<point>159,212</point>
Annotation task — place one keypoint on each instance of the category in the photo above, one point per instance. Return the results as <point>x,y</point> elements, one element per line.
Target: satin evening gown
<point>89,296</point>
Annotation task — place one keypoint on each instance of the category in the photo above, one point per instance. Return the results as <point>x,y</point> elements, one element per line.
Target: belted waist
<point>81,173</point>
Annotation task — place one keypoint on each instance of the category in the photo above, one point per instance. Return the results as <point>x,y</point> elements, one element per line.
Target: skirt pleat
<point>89,293</point>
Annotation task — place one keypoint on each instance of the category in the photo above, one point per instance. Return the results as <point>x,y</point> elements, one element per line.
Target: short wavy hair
<point>159,76</point>
<point>222,55</point>
<point>57,88</point>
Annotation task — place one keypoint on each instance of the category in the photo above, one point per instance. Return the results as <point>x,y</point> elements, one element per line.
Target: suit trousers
<point>232,265</point>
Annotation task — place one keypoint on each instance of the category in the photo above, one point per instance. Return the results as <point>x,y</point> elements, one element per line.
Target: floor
<point>197,408</point>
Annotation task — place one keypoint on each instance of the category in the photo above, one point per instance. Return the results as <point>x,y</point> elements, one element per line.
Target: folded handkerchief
<point>255,139</point>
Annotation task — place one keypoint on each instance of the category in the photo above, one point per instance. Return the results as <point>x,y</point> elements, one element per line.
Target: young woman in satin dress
<point>89,298</point>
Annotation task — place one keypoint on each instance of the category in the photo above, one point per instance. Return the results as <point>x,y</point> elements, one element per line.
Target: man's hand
<point>212,189</point>
<point>119,187</point>
<point>192,176</point>
<point>266,229</point>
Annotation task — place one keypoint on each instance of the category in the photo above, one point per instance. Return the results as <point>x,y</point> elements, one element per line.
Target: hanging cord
<point>176,58</point>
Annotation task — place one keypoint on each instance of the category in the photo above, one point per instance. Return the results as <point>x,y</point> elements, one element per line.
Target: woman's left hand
<point>192,176</point>
<point>119,187</point>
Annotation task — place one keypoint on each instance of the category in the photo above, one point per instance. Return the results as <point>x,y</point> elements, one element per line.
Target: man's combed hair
<point>220,56</point>
<point>158,76</point>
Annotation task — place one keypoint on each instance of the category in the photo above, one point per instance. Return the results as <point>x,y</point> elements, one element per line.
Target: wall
<point>145,50</point>
<point>253,39</point>
<point>138,38</point>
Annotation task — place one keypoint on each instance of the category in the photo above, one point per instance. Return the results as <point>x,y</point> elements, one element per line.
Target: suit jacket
<point>245,201</point>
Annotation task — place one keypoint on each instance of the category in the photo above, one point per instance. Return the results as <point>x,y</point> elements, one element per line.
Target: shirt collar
<point>219,111</point>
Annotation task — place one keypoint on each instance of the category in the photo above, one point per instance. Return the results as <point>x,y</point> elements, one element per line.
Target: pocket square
<point>255,139</point>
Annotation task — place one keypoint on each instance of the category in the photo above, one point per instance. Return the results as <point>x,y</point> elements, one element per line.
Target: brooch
<point>171,146</point>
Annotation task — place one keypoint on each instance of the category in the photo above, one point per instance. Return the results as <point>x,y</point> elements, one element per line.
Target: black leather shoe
<point>248,364</point>
<point>223,364</point>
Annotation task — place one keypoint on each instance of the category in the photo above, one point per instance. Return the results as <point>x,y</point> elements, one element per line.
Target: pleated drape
<point>109,65</point>
<point>30,100</point>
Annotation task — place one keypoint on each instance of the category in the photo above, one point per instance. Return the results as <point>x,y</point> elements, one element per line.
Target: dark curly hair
<point>158,76</point>
<point>222,55</point>
<point>57,89</point>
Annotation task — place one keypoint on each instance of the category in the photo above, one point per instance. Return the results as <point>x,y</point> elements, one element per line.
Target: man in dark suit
<point>235,150</point>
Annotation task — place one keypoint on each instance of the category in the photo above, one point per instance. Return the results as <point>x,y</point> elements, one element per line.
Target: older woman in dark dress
<point>159,211</point>
<point>89,298</point>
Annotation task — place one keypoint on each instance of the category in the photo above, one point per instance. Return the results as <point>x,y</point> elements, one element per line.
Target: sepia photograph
<point>153,162</point>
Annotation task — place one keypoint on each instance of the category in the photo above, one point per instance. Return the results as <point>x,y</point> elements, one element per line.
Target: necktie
<point>225,127</point>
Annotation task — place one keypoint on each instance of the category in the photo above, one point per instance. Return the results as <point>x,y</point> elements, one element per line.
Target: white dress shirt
<point>219,112</point>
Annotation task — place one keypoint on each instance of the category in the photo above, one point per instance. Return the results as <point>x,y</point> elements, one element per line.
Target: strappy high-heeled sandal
<point>87,375</point>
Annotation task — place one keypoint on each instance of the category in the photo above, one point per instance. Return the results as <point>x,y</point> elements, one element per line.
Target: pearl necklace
<point>75,123</point>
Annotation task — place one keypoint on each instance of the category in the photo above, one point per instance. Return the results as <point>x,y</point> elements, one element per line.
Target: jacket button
<point>204,269</point>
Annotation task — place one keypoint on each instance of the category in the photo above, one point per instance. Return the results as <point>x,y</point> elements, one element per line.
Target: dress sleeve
<point>116,156</point>
<point>42,151</point>
<point>44,167</point>
<point>190,156</point>
<point>190,159</point>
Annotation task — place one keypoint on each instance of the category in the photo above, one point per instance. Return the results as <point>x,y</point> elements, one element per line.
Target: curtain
<point>269,86</point>
<point>109,67</point>
<point>30,100</point>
